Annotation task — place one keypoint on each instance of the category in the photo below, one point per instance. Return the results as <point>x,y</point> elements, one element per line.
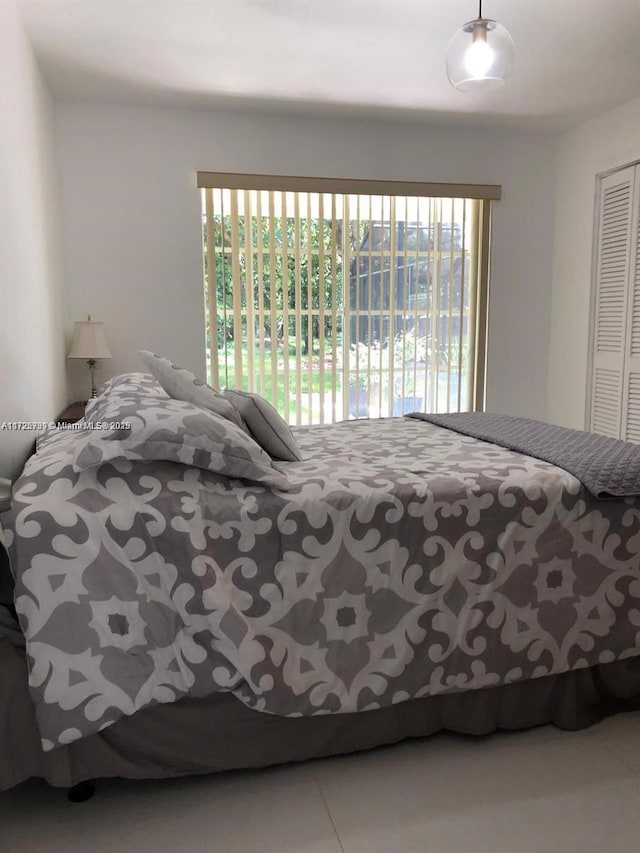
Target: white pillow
<point>182,384</point>
<point>265,424</point>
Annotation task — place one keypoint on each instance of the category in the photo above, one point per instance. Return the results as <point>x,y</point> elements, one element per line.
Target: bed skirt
<point>220,733</point>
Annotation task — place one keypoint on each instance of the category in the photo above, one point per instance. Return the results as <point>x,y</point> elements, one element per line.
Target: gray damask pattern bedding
<point>152,429</point>
<point>404,560</point>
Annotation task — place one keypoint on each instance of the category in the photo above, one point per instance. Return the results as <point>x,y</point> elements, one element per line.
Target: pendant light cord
<point>479,8</point>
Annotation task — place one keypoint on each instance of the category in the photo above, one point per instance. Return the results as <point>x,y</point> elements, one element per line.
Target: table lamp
<point>89,343</point>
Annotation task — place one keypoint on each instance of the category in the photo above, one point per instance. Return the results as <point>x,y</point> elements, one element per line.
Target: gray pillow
<point>265,424</point>
<point>176,431</point>
<point>182,384</point>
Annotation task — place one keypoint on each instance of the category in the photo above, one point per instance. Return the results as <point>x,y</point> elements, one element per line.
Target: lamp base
<point>92,369</point>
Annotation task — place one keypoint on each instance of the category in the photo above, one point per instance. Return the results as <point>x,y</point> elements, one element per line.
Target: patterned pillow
<point>265,424</point>
<point>125,386</point>
<point>182,384</point>
<point>176,431</point>
<point>133,383</point>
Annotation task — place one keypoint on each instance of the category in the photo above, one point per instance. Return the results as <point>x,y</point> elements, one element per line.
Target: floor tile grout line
<point>326,805</point>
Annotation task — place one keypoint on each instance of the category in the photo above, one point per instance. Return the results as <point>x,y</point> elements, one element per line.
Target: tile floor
<point>540,791</point>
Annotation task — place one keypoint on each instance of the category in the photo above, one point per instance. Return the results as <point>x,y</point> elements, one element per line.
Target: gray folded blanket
<point>607,467</point>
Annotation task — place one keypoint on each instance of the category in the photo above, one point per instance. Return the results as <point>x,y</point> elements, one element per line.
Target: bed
<point>192,601</point>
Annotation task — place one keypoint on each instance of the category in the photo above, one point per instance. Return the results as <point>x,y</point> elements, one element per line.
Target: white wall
<point>132,219</point>
<point>609,141</point>
<point>32,357</point>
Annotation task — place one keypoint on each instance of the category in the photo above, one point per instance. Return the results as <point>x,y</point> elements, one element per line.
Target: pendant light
<point>480,55</point>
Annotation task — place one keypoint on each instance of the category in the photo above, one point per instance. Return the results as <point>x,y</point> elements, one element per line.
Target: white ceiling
<point>574,58</point>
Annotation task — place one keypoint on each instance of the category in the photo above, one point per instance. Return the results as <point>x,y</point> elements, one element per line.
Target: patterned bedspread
<point>405,560</point>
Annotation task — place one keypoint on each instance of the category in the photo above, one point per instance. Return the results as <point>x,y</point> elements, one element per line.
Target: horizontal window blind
<point>338,305</point>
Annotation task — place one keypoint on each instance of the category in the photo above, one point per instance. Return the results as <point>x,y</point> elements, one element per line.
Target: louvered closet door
<point>612,296</point>
<point>631,397</point>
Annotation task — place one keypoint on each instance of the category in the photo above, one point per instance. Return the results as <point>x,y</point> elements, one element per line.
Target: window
<point>337,303</point>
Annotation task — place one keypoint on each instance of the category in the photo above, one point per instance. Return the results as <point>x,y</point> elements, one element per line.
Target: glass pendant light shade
<point>480,56</point>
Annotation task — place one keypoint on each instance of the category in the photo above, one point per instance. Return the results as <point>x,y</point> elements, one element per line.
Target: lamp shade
<point>480,56</point>
<point>89,341</point>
